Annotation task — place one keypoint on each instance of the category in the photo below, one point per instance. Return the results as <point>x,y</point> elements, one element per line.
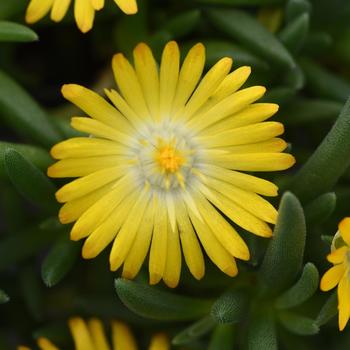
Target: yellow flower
<point>165,162</point>
<point>339,274</point>
<point>91,336</point>
<point>84,10</point>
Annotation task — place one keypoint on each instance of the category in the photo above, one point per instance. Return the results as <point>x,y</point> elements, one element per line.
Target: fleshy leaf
<point>151,302</point>
<point>223,338</point>
<point>299,324</point>
<point>38,156</point>
<point>30,181</point>
<point>262,333</point>
<point>194,331</point>
<point>321,208</point>
<point>328,311</point>
<point>24,115</point>
<point>10,31</point>
<point>330,160</point>
<point>284,256</point>
<point>295,8</point>
<point>59,261</point>
<point>302,290</point>
<point>4,298</point>
<point>230,307</point>
<point>248,31</point>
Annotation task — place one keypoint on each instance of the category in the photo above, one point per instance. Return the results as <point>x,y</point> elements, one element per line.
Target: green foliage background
<point>274,303</point>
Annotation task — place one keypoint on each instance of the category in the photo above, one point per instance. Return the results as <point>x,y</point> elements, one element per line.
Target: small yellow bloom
<point>339,274</point>
<point>84,10</point>
<point>165,162</point>
<point>90,335</point>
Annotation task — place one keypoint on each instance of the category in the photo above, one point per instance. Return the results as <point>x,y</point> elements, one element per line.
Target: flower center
<point>170,159</point>
<point>165,157</point>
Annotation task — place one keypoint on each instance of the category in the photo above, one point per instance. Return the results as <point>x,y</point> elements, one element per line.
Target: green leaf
<point>328,311</point>
<point>230,307</point>
<point>59,261</point>
<point>295,8</point>
<point>24,115</point>
<point>298,324</point>
<point>323,83</point>
<point>38,156</point>
<point>30,181</point>
<point>22,245</point>
<point>182,24</point>
<point>151,302</point>
<point>10,8</point>
<point>320,209</point>
<point>330,160</point>
<point>250,33</point>
<point>280,95</point>
<point>10,31</point>
<point>223,338</point>
<point>302,290</point>
<point>294,34</point>
<point>216,49</point>
<point>195,331</point>
<point>295,78</point>
<point>317,43</point>
<point>262,333</point>
<point>284,255</point>
<point>328,239</point>
<point>4,298</point>
<point>303,111</point>
<point>32,292</point>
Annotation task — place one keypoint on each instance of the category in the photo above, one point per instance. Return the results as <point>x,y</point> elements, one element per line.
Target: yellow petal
<point>59,9</point>
<point>159,342</point>
<point>252,114</point>
<point>84,14</point>
<point>81,147</point>
<point>190,246</point>
<point>256,161</point>
<point>274,145</point>
<point>338,255</point>
<point>37,9</point>
<point>215,251</point>
<point>230,105</point>
<point>129,230</point>
<point>241,180</point>
<point>45,344</point>
<point>169,74</point>
<point>122,337</point>
<point>129,85</point>
<point>140,248</point>
<point>95,106</point>
<point>172,269</point>
<point>237,214</point>
<point>222,230</point>
<point>81,166</point>
<point>147,72</point>
<point>189,76</point>
<point>244,135</point>
<point>72,210</point>
<point>250,201</point>
<point>127,6</point>
<point>104,234</point>
<point>344,301</point>
<point>96,128</point>
<point>158,252</point>
<point>98,334</point>
<point>344,228</point>
<point>206,88</point>
<point>81,335</point>
<point>89,183</point>
<point>332,277</point>
<point>22,347</point>
<point>98,212</point>
<point>97,4</point>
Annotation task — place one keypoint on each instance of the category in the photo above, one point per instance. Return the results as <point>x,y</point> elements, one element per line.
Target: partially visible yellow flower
<point>339,274</point>
<point>90,335</point>
<point>166,162</point>
<point>84,10</point>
